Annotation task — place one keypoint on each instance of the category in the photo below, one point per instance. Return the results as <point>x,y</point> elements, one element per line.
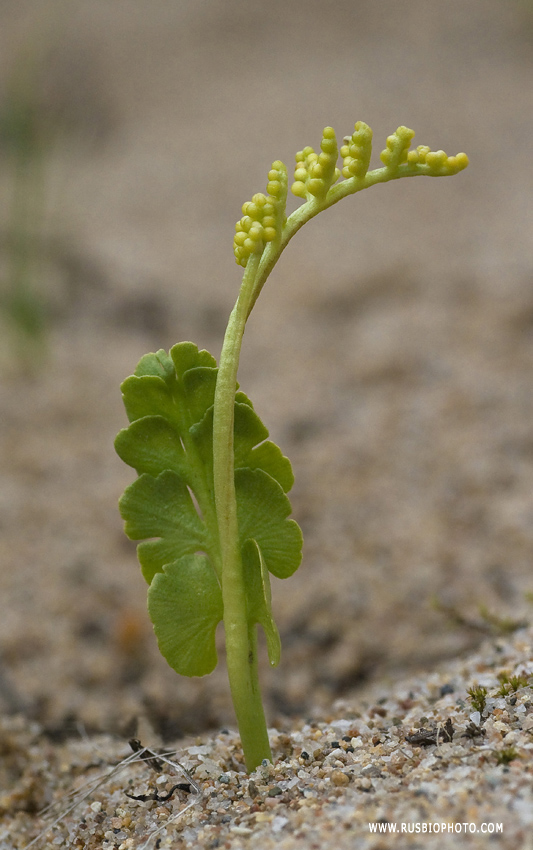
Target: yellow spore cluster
<point>262,216</point>
<point>434,163</point>
<point>398,145</point>
<point>356,151</point>
<point>438,161</point>
<point>316,173</point>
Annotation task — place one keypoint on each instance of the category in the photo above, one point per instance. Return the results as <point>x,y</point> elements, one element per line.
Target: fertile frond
<point>438,163</point>
<point>263,216</point>
<point>315,181</point>
<point>397,147</point>
<point>422,160</point>
<point>316,173</point>
<point>356,151</point>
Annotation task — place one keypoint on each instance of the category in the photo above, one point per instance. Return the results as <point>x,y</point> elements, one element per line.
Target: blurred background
<point>391,354</point>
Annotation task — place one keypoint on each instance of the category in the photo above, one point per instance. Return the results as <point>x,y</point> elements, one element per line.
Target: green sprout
<point>510,684</point>
<point>506,755</point>
<point>478,697</point>
<point>210,502</point>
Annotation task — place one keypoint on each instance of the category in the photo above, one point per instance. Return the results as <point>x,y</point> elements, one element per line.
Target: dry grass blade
<point>80,795</point>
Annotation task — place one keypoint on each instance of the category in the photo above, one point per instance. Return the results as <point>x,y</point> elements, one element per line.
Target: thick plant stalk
<point>241,641</point>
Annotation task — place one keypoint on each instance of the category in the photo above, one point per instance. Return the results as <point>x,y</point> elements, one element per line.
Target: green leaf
<point>249,431</point>
<point>159,364</point>
<point>268,456</point>
<point>163,399</point>
<point>185,355</point>
<point>258,598</point>
<point>262,511</point>
<point>242,398</point>
<point>185,605</point>
<point>199,385</point>
<point>147,396</point>
<point>169,401</point>
<point>151,444</point>
<point>166,395</point>
<point>162,507</point>
<point>251,449</point>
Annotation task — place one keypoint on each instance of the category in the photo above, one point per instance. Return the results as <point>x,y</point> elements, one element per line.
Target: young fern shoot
<point>193,432</point>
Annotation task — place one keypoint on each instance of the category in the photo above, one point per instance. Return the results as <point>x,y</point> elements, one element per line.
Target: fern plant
<point>210,503</point>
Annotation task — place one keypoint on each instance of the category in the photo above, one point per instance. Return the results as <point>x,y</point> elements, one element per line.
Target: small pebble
<point>340,778</point>
<point>275,791</point>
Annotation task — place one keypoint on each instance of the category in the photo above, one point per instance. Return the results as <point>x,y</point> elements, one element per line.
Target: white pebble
<point>199,751</point>
<point>278,823</point>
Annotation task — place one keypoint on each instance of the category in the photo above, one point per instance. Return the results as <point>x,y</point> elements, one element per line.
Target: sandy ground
<point>390,355</point>
<point>440,760</point>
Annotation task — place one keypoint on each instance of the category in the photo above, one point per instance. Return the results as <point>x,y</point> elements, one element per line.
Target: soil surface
<point>440,760</point>
<point>390,355</point>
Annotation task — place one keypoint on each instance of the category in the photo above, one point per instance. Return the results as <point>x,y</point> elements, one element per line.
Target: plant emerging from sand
<point>210,502</point>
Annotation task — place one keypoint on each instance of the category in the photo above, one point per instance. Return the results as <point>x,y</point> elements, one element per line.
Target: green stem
<point>241,641</point>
